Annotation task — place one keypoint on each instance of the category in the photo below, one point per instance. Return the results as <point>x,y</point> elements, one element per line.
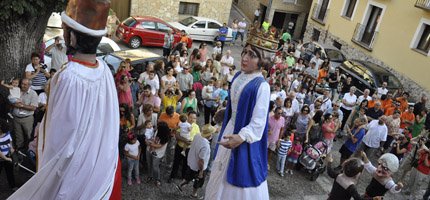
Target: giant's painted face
<point>382,169</point>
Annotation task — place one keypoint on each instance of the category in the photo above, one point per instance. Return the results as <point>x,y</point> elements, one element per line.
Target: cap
<point>87,16</point>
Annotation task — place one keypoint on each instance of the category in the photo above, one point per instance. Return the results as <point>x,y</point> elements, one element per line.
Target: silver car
<point>328,51</point>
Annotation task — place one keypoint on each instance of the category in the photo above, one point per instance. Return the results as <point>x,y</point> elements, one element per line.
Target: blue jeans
<point>132,163</point>
<point>234,36</point>
<point>280,164</point>
<point>241,36</point>
<point>153,165</point>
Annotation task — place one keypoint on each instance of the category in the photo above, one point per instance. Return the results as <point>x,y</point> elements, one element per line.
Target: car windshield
<point>188,21</point>
<point>361,71</point>
<point>103,49</point>
<point>129,22</point>
<point>112,61</point>
<point>335,55</point>
<point>392,81</point>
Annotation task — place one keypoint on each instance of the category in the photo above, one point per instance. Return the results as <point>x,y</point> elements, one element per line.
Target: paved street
<point>297,186</point>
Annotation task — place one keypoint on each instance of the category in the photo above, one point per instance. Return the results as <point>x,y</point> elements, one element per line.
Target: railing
<point>364,37</point>
<point>319,13</point>
<point>424,4</point>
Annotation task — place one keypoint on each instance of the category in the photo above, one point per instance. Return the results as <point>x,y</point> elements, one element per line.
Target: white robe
<point>78,137</point>
<point>218,187</point>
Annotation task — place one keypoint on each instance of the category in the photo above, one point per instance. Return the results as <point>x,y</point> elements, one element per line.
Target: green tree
<point>22,26</point>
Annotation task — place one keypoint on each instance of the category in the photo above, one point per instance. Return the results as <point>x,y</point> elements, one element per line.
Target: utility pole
<point>267,11</point>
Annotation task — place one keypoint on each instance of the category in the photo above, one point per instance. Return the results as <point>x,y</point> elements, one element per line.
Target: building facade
<point>280,14</point>
<point>393,34</point>
<point>175,10</point>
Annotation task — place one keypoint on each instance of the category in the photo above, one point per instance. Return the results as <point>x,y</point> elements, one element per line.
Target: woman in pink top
<point>329,130</point>
<point>124,91</point>
<point>121,71</point>
<point>203,54</point>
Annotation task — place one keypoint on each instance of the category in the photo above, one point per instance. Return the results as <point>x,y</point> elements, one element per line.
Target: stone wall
<point>167,10</point>
<point>351,52</point>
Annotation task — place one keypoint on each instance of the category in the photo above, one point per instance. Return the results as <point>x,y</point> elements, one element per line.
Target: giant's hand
<point>233,141</point>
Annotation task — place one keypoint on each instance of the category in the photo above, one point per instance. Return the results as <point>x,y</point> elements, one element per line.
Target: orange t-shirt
<point>385,103</point>
<point>389,111</point>
<point>321,74</point>
<point>403,105</point>
<point>172,122</point>
<point>406,116</point>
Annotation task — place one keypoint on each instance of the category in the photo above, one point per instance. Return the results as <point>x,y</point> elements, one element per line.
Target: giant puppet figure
<point>77,149</point>
<point>240,167</point>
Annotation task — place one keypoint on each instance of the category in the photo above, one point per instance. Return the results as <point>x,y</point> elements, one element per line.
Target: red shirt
<point>328,135</point>
<point>421,165</point>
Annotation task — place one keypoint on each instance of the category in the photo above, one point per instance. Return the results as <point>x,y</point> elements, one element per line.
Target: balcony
<point>319,13</point>
<point>364,36</point>
<point>423,4</point>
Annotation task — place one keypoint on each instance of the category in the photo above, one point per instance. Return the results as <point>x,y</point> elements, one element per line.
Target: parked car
<point>200,28</point>
<point>367,75</point>
<point>325,50</point>
<point>146,30</point>
<point>139,59</point>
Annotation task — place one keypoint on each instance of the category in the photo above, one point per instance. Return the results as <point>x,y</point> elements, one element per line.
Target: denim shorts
<point>292,160</point>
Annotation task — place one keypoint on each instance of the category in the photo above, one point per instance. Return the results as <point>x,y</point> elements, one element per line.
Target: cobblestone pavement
<point>290,187</point>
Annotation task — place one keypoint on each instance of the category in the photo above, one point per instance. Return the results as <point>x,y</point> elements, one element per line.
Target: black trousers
<point>177,160</point>
<point>346,114</point>
<point>209,113</point>
<point>222,46</point>
<point>8,166</point>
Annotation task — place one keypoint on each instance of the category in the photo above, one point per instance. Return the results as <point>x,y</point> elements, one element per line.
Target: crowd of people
<point>159,107</point>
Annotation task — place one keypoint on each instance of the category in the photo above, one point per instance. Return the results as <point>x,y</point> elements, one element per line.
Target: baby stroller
<point>312,159</point>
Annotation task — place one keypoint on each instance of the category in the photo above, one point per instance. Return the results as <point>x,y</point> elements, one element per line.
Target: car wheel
<point>134,42</point>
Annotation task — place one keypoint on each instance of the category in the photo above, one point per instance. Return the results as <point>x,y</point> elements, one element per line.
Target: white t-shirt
<point>242,24</point>
<point>154,84</point>
<point>301,97</point>
<point>225,68</point>
<point>143,76</point>
<point>43,98</point>
<point>361,98</point>
<point>15,92</point>
<point>376,133</point>
<point>318,62</point>
<point>216,50</point>
<point>234,27</point>
<point>132,149</point>
<point>349,99</point>
<point>382,92</point>
<point>200,149</point>
<point>273,96</point>
<point>58,57</point>
<point>178,67</point>
<point>185,132</point>
<point>295,84</point>
<point>257,13</point>
<point>149,133</point>
<point>295,106</point>
<point>207,91</point>
<point>167,81</point>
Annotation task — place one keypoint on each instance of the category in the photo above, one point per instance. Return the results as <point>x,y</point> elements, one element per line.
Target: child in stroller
<point>312,159</point>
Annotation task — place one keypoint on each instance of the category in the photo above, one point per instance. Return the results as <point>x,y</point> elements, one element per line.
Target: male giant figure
<point>77,151</point>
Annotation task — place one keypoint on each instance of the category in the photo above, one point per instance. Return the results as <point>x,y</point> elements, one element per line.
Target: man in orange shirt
<point>372,102</point>
<point>322,73</point>
<point>387,101</point>
<point>390,110</point>
<point>403,101</point>
<point>407,118</point>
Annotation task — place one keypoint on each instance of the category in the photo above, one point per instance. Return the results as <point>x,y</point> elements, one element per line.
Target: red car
<point>146,30</point>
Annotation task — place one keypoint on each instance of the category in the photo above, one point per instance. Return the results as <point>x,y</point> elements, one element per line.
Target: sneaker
<point>197,196</point>
<point>291,171</point>
<point>129,181</point>
<point>138,180</point>
<point>287,171</point>
<point>179,189</point>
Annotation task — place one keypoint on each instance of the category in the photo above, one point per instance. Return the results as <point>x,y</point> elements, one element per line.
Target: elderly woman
<point>244,135</point>
<point>348,103</point>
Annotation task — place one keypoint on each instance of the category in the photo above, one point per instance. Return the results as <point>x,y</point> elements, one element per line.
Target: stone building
<point>392,34</point>
<point>174,10</point>
<point>280,14</point>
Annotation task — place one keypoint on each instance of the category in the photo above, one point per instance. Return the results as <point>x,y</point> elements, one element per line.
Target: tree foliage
<point>29,7</point>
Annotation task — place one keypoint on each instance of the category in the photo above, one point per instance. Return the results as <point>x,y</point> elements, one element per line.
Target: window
<point>104,49</point>
<point>129,22</point>
<point>188,21</point>
<point>316,35</point>
<point>337,44</point>
<point>290,1</point>
<point>200,24</point>
<point>146,25</point>
<point>186,8</point>
<point>424,43</point>
<point>349,8</point>
<point>335,55</point>
<point>421,41</point>
<point>163,27</point>
<point>213,25</point>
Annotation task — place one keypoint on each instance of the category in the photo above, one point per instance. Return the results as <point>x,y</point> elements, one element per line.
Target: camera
<point>401,138</point>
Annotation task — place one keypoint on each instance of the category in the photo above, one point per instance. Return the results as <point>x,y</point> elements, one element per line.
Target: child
<point>149,132</point>
<point>132,151</point>
<point>283,146</point>
<point>153,83</point>
<point>208,90</point>
<point>301,97</point>
<point>185,130</point>
<point>15,91</point>
<point>293,156</point>
<point>224,92</point>
<point>6,149</point>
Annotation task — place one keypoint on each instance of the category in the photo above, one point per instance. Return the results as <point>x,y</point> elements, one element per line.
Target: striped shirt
<point>5,143</point>
<point>284,146</point>
<point>40,78</point>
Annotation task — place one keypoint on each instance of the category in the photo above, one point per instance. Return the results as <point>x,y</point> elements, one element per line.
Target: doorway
<point>263,9</point>
<point>323,10</point>
<point>278,20</point>
<point>372,23</point>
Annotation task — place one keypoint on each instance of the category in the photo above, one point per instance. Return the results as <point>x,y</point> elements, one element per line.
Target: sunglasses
<point>335,106</point>
<point>123,66</point>
<point>185,68</point>
<point>306,110</point>
<point>279,113</point>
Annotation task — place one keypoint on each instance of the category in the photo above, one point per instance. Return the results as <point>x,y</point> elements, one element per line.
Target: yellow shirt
<point>169,102</point>
<point>266,26</point>
<point>194,130</point>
